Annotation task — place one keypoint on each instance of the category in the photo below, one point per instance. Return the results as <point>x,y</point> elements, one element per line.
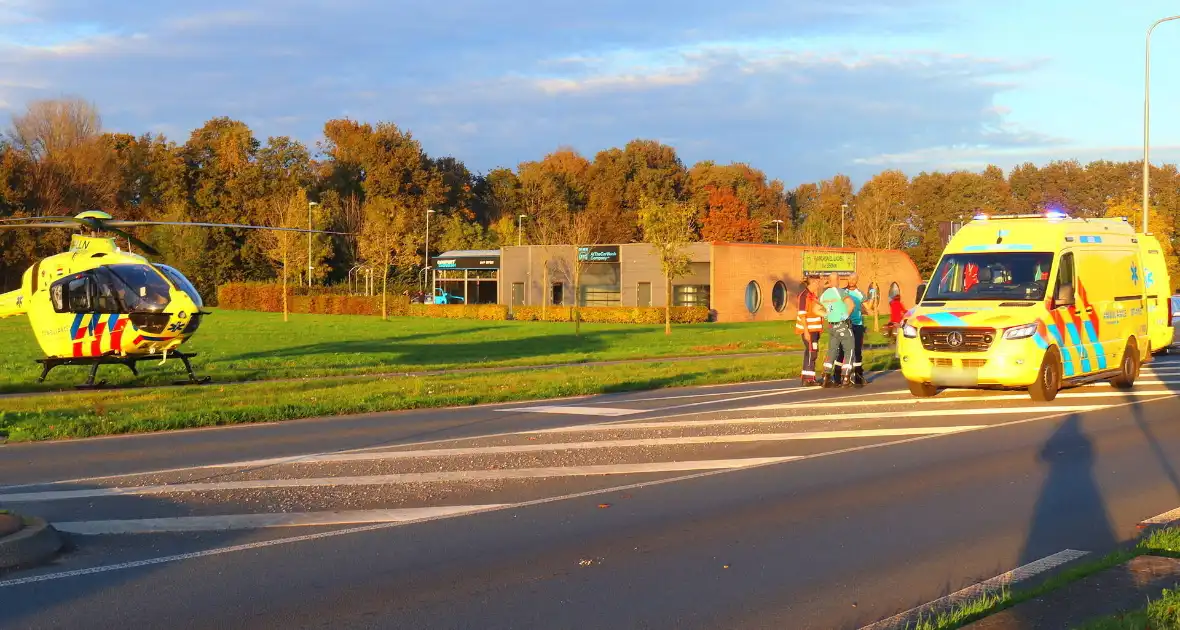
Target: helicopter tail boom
<point>12,304</point>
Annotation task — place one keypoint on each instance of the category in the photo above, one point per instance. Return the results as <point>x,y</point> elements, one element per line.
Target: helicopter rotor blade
<point>14,226</point>
<point>225,225</point>
<point>51,218</point>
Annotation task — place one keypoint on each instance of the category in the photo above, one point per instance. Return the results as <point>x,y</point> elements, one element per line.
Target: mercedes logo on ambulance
<point>954,339</point>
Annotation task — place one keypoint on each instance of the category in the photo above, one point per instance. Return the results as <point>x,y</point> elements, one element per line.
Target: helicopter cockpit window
<point>80,295</point>
<point>57,296</point>
<point>106,298</point>
<point>182,283</point>
<point>140,288</point>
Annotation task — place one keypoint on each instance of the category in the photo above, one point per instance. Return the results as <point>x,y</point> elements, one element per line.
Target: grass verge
<point>138,411</point>
<point>236,346</point>
<point>1163,542</point>
<point>1160,614</point>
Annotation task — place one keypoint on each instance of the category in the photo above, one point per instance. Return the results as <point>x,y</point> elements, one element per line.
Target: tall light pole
<point>426,254</point>
<point>310,205</point>
<point>776,222</point>
<point>519,225</point>
<point>1147,116</point>
<point>843,211</point>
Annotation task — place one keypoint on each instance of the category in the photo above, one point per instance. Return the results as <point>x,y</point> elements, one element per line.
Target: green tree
<point>669,228</point>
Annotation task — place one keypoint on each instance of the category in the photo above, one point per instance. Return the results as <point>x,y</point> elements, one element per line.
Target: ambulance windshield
<point>991,276</point>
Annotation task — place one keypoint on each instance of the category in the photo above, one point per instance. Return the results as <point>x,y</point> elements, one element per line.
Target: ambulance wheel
<point>1128,368</point>
<point>922,390</point>
<point>1048,378</point>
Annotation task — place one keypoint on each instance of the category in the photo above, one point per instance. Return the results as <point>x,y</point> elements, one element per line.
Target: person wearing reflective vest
<point>809,325</point>
<point>839,307</point>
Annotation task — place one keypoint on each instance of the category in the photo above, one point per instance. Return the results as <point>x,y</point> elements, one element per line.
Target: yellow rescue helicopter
<point>99,305</point>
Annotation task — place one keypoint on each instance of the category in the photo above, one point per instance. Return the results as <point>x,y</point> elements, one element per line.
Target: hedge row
<point>258,296</point>
<point>613,314</point>
<point>486,312</point>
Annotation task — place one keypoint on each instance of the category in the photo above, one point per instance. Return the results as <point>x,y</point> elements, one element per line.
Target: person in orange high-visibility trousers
<point>809,325</point>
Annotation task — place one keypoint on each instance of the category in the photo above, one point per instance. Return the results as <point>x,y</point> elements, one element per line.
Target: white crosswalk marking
<point>370,456</point>
<point>383,485</point>
<point>258,521</point>
<point>371,480</point>
<point>578,411</point>
<point>823,417</point>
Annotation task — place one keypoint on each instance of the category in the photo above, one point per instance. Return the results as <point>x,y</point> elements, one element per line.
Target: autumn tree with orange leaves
<point>727,218</point>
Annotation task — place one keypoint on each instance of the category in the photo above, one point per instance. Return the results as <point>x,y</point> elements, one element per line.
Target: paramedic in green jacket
<point>839,306</point>
<point>857,319</point>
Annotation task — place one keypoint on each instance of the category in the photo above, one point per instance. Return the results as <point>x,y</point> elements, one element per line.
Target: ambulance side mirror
<point>1064,296</point>
<point>920,293</point>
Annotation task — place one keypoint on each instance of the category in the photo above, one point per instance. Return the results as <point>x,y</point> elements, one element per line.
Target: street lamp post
<point>519,226</point>
<point>777,223</point>
<point>843,211</point>
<point>310,205</point>
<point>1147,115</point>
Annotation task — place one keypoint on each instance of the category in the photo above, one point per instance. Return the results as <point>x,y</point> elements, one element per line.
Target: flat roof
<point>473,253</point>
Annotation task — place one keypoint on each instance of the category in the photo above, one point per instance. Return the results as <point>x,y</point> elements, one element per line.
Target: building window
<point>558,294</point>
<point>753,296</point>
<point>690,295</point>
<point>778,296</point>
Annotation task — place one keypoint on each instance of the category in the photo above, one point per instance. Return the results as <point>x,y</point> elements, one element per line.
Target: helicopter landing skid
<point>48,364</point>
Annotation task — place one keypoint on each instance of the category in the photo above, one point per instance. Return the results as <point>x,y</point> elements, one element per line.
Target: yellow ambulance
<point>1160,314</point>
<point>1032,301</point>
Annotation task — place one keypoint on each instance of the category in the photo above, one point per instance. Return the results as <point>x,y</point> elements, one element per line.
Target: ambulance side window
<point>1063,292</point>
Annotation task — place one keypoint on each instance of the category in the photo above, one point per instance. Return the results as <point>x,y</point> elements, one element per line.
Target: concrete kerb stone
<point>33,544</point>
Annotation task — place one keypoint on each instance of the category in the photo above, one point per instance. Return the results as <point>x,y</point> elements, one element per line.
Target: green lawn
<point>248,346</point>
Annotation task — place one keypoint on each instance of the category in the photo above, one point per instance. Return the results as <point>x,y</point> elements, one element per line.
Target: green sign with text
<point>828,262</point>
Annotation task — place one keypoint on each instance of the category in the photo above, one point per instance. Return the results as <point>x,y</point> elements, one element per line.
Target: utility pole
<point>777,223</point>
<point>519,227</point>
<point>310,205</point>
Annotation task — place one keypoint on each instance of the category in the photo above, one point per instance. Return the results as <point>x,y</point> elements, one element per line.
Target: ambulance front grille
<point>973,339</point>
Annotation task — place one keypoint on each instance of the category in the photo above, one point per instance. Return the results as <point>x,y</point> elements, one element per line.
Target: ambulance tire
<point>1048,381</point>
<point>922,390</point>
<point>1128,367</point>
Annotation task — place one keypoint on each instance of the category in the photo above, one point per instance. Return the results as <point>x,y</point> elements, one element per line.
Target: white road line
<point>954,399</point>
<point>373,480</point>
<point>606,411</point>
<point>574,446</point>
<point>1167,518</point>
<point>815,418</point>
<point>261,521</point>
<point>47,577</point>
<point>908,618</point>
<point>683,396</point>
<point>577,411</point>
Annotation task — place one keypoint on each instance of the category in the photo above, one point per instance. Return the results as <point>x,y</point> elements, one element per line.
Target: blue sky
<point>803,89</point>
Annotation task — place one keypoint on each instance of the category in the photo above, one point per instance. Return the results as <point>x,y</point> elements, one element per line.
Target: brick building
<point>740,282</point>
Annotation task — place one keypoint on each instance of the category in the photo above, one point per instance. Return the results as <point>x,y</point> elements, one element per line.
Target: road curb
<point>33,544</point>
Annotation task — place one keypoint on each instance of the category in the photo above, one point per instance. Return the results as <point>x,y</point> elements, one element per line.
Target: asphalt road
<point>755,506</point>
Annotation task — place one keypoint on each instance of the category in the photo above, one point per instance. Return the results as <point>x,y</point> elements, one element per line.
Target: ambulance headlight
<point>909,331</point>
<point>1020,332</point>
